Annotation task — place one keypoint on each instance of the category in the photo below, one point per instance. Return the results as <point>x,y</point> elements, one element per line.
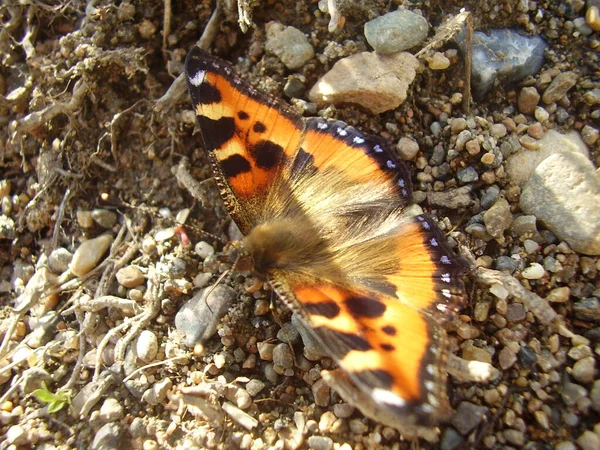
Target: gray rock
<point>198,317</point>
<point>451,439</point>
<point>396,31</point>
<point>564,193</point>
<point>506,264</point>
<point>407,148</point>
<point>290,45</point>
<point>595,396</point>
<point>503,55</point>
<point>468,416</point>
<point>104,217</point>
<point>111,410</point>
<point>376,82</point>
<point>452,198</point>
<point>489,196</point>
<point>467,175</point>
<point>59,260</point>
<point>313,350</point>
<point>498,218</point>
<point>108,437</point>
<point>587,309</point>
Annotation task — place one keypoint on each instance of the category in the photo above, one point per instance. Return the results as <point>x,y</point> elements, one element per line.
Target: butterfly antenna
<point>213,287</point>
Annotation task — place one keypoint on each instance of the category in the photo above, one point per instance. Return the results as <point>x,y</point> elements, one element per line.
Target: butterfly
<point>322,208</point>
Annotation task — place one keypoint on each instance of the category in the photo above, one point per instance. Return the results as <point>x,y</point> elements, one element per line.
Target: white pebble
<point>534,272</point>
<point>164,234</point>
<point>204,249</point>
<point>541,115</point>
<point>499,291</point>
<point>530,246</point>
<point>147,346</point>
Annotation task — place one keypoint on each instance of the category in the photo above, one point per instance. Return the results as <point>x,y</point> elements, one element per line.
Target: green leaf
<point>56,406</point>
<point>44,395</point>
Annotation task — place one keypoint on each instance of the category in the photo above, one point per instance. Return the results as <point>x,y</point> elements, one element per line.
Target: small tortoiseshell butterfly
<point>321,207</point>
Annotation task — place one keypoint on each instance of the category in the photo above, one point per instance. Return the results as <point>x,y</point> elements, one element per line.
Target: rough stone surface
<point>559,87</point>
<point>377,82</point>
<point>396,31</point>
<point>564,193</point>
<point>528,100</point>
<point>290,45</point>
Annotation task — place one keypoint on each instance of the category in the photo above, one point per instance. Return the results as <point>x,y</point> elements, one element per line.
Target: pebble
<point>571,393</point>
<point>321,390</point>
<point>559,87</point>
<point>343,410</point>
<point>489,196</point>
<point>111,410</point>
<point>498,130</point>
<point>457,125</point>
<point>515,312</point>
<point>503,55</point>
<point>240,417</point>
<point>473,147</point>
<point>564,195</point>
<point>104,217</point>
<point>204,249</point>
<point>592,17</point>
<point>108,437</point>
<point>462,138</point>
<point>59,260</point>
<point>288,333</point>
<point>590,135</point>
<point>467,175</point>
<point>584,369</point>
<point>270,374</point>
<point>536,130</point>
<point>587,309</point>
<point>254,386</point>
<point>89,253</point>
<point>313,351</point>
<point>530,246</point>
<point>407,148</point>
<point>396,31</point>
<point>582,27</point>
<point>528,100</point>
<point>198,317</point>
<point>16,435</point>
<point>588,440</point>
<point>289,44</point>
<point>541,115</point>
<point>451,440</point>
<point>320,443</point>
<point>283,356</point>
<point>559,295</point>
<point>506,358</point>
<point>378,83</point>
<point>595,396</point>
<point>534,272</point>
<point>147,346</point>
<point>468,416</point>
<point>438,61</point>
<point>498,218</point>
<point>130,276</point>
<point>84,219</point>
<point>265,350</point>
<point>514,437</point>
<point>451,198</point>
<point>524,225</point>
<point>357,426</point>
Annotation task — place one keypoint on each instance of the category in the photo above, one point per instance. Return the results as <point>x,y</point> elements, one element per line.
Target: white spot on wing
<point>197,79</point>
<point>321,125</point>
<point>446,277</point>
<point>387,397</point>
<point>378,148</point>
<point>358,140</point>
<point>446,293</point>
<point>445,260</point>
<point>434,242</point>
<point>390,164</point>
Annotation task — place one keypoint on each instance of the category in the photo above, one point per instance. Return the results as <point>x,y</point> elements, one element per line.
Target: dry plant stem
<point>149,366</point>
<point>30,34</point>
<point>189,182</point>
<point>74,378</point>
<point>113,132</point>
<point>6,38</point>
<point>59,218</point>
<point>468,64</point>
<point>166,23</point>
<point>17,95</point>
<point>105,341</point>
<point>111,301</point>
<point>102,386</point>
<point>38,118</point>
<point>178,88</point>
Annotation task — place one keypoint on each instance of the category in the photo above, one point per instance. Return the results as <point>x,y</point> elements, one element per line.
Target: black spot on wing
<point>389,330</point>
<point>216,133</point>
<point>207,94</point>
<point>243,115</point>
<point>267,154</point>
<point>387,347</point>
<point>365,307</point>
<point>259,127</point>
<point>328,309</point>
<point>349,341</point>
<point>235,165</point>
<point>378,377</point>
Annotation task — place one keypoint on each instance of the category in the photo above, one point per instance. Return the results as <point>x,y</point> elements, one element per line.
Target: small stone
<point>438,61</point>
<point>515,312</point>
<point>590,135</point>
<point>468,416</point>
<point>243,400</point>
<point>584,370</point>
<point>111,410</point>
<point>343,410</point>
<point>541,115</point>
<point>467,175</point>
<point>506,358</point>
<point>283,356</point>
<point>559,87</point>
<point>89,253</point>
<point>396,31</point>
<point>407,148</point>
<point>104,217</point>
<point>313,350</point>
<point>289,44</point>
<point>451,440</point>
<point>457,125</point>
<point>108,437</point>
<point>534,272</point>
<point>489,196</point>
<point>320,443</point>
<point>530,246</point>
<point>499,291</point>
<point>84,219</point>
<point>473,147</point>
<point>515,437</point>
<point>536,131</point>
<point>147,346</point>
<point>595,396</point>
<point>288,334</point>
<point>240,417</point>
<point>588,440</point>
<point>559,295</point>
<point>498,218</point>
<point>59,260</point>
<point>571,393</point>
<point>321,390</point>
<point>265,350</point>
<point>254,386</point>
<point>130,276</point>
<point>592,17</point>
<point>16,436</point>
<point>357,426</point>
<point>451,198</point>
<point>204,249</point>
<point>498,130</point>
<point>463,137</point>
<point>488,159</point>
<point>198,317</point>
<point>528,100</point>
<point>587,309</point>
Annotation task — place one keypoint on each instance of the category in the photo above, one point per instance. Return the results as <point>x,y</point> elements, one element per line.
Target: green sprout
<point>56,401</point>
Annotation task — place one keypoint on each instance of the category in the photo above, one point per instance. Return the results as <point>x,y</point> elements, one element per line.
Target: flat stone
<point>559,87</point>
<point>379,83</point>
<point>89,253</point>
<point>108,437</point>
<point>564,193</point>
<point>468,416</point>
<point>396,31</point>
<point>452,198</point>
<point>130,276</point>
<point>498,218</point>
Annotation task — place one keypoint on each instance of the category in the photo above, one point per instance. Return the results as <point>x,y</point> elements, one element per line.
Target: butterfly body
<point>322,209</point>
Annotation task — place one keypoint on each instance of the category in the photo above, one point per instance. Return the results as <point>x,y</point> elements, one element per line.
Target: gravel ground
<point>109,235</point>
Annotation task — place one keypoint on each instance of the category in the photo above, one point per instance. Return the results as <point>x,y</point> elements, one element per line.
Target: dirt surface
<point>97,139</point>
